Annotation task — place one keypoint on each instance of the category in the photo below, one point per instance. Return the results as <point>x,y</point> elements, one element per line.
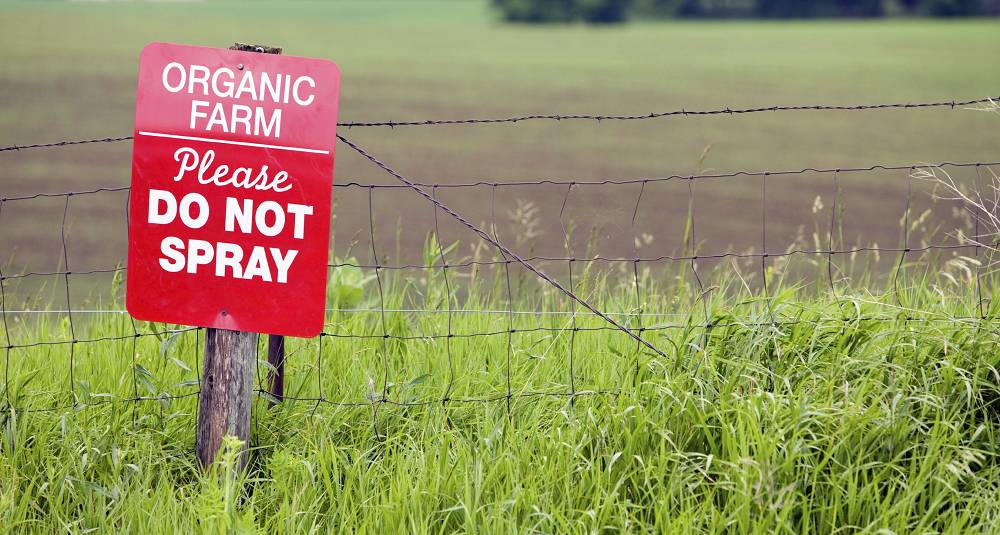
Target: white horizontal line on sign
<point>228,142</point>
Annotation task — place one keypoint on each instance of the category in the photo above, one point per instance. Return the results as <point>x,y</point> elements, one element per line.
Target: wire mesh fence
<point>484,317</point>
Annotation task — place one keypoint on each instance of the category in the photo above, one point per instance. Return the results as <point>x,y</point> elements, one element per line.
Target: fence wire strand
<point>952,104</point>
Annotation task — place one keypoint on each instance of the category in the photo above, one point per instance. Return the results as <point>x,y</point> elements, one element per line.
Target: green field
<point>69,72</point>
<point>802,393</point>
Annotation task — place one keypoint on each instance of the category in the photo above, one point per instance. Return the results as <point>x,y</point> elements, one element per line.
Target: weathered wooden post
<point>226,391</point>
<point>227,378</point>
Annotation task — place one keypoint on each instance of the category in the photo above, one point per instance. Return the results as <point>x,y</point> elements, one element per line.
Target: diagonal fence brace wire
<point>489,239</point>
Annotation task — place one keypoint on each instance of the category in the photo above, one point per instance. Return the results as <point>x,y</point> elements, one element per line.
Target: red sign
<point>232,168</point>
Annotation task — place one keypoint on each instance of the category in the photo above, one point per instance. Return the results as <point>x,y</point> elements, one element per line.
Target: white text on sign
<point>241,215</point>
<point>225,83</point>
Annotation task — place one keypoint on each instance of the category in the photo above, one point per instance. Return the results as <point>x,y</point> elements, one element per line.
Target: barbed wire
<point>681,112</point>
<point>951,104</point>
<point>64,143</point>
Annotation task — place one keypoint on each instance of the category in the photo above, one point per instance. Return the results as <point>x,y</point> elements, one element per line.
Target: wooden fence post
<point>228,372</point>
<point>226,392</point>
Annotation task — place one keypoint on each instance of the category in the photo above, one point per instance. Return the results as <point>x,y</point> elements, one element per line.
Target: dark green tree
<point>951,8</point>
<point>537,10</point>
<point>819,8</point>
<point>664,9</point>
<point>603,11</point>
<point>859,8</point>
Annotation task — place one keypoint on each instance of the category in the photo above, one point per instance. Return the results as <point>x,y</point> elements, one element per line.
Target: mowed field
<point>69,72</point>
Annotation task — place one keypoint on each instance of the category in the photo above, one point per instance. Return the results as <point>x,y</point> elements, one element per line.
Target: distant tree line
<point>612,11</point>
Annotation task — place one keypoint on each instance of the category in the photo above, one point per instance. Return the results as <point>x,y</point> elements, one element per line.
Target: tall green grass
<point>808,408</point>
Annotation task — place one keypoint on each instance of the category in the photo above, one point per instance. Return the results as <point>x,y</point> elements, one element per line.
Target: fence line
<point>574,183</point>
<point>682,112</point>
<point>592,259</point>
<point>990,323</point>
<point>628,322</point>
